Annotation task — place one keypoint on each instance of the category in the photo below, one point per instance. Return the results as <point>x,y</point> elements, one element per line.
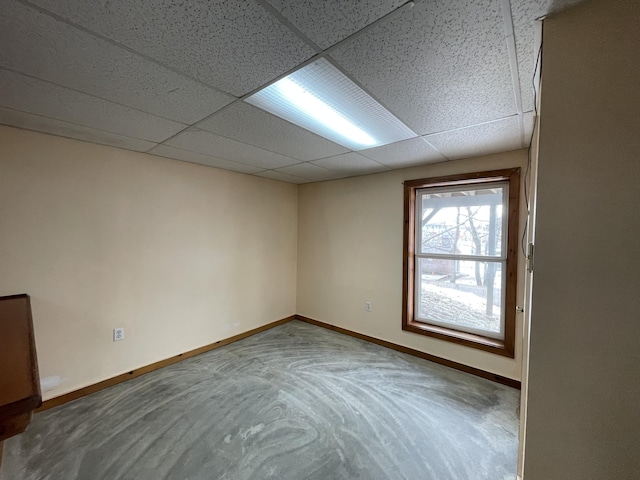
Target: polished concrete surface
<point>294,402</point>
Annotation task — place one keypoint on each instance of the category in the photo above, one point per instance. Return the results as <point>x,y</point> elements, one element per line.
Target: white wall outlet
<point>118,334</point>
<point>367,306</point>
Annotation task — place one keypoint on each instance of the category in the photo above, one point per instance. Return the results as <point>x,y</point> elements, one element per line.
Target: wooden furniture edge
<point>27,404</point>
<point>22,397</point>
<point>416,353</point>
<point>96,387</point>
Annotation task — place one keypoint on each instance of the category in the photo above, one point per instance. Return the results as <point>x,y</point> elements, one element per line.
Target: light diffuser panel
<point>320,98</point>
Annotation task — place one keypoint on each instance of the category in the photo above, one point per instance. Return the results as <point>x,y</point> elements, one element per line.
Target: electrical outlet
<point>118,334</point>
<point>367,306</point>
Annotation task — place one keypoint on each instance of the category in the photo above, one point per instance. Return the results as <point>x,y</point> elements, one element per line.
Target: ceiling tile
<point>208,143</point>
<point>41,98</point>
<point>38,123</point>
<point>415,151</point>
<point>439,65</point>
<point>254,126</point>
<point>39,45</point>
<point>283,177</point>
<point>179,154</point>
<point>494,137</point>
<point>235,46</point>
<point>328,22</point>
<point>311,172</point>
<point>351,163</point>
<point>524,14</point>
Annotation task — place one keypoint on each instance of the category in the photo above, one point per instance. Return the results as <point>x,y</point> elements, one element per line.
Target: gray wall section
<point>584,378</point>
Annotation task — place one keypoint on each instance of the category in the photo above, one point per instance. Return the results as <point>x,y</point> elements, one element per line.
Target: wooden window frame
<point>506,346</point>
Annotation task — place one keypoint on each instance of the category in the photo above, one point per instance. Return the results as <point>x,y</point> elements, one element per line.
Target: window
<point>460,258</point>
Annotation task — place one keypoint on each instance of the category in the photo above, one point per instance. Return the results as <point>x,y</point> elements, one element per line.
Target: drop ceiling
<point>170,77</point>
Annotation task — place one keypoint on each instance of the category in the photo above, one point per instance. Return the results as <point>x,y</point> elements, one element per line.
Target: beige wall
<point>180,255</point>
<point>583,417</point>
<point>350,251</point>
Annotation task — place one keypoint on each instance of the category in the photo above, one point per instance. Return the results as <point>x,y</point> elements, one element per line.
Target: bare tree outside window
<point>456,287</point>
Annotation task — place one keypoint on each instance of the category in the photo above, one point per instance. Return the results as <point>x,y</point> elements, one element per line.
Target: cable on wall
<point>527,174</point>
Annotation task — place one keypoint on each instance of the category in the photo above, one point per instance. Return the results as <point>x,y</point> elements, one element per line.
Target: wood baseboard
<point>416,353</point>
<point>96,387</point>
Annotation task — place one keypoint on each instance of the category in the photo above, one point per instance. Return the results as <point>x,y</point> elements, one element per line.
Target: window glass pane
<point>467,221</point>
<point>465,295</point>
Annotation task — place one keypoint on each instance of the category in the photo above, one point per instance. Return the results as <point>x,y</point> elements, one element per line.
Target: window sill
<point>493,345</point>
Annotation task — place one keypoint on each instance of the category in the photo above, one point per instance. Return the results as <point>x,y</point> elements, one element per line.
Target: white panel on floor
<point>34,96</point>
<point>234,46</point>
<point>179,154</point>
<point>208,143</point>
<point>38,123</point>
<point>36,44</point>
<point>248,124</point>
<point>439,65</point>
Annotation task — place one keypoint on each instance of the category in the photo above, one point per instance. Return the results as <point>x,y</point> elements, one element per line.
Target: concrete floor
<point>294,402</point>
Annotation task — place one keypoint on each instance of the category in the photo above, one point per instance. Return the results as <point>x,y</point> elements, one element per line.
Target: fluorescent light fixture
<point>320,98</point>
<point>316,108</point>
